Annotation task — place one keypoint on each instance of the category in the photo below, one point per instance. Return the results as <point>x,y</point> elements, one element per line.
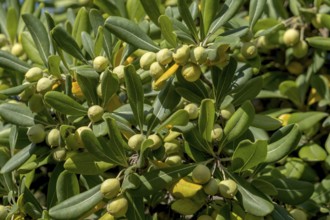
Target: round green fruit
<point>44,85</point>
<point>17,50</point>
<point>157,141</point>
<point>3,212</point>
<point>3,40</point>
<point>249,50</point>
<point>211,188</point>
<point>217,132</point>
<point>291,37</point>
<point>36,134</point>
<point>181,55</point>
<point>135,141</point>
<point>227,112</point>
<point>71,142</point>
<point>295,68</point>
<point>34,74</point>
<point>36,103</point>
<point>95,113</point>
<point>201,174</point>
<point>198,55</point>
<point>77,134</point>
<point>172,147</point>
<point>164,56</point>
<point>110,188</point>
<point>118,207</point>
<point>192,110</point>
<point>53,137</point>
<point>173,160</point>
<point>59,154</point>
<point>204,217</point>
<point>228,188</point>
<point>147,59</point>
<point>119,71</point>
<point>156,70</point>
<point>191,72</point>
<point>300,49</point>
<point>298,214</point>
<point>100,63</point>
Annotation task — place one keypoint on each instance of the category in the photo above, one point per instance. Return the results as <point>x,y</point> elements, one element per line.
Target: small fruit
<point>191,72</point>
<point>228,188</point>
<point>17,49</point>
<point>110,188</point>
<point>95,113</point>
<point>157,141</point>
<point>227,112</point>
<point>185,206</point>
<point>147,59</point>
<point>36,134</point>
<point>198,55</point>
<point>156,70</point>
<point>204,217</point>
<point>3,212</point>
<point>172,147</point>
<point>36,103</point>
<point>201,174</point>
<point>300,49</point>
<point>100,63</point>
<point>118,207</point>
<point>211,188</point>
<point>3,40</point>
<point>192,110</point>
<point>119,71</point>
<point>217,132</point>
<point>135,141</point>
<point>77,134</point>
<point>44,85</point>
<point>53,137</point>
<point>173,160</point>
<point>181,55</point>
<point>34,74</point>
<point>249,50</point>
<point>71,142</point>
<point>295,68</point>
<point>164,56</point>
<point>291,37</point>
<point>59,154</point>
<point>298,214</point>
<point>99,90</point>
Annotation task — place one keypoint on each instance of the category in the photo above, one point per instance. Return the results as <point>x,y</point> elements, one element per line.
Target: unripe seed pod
<point>135,142</point>
<point>99,90</point>
<point>36,103</point>
<point>71,142</point>
<point>147,59</point>
<point>59,154</point>
<point>298,214</point>
<point>300,49</point>
<point>110,188</point>
<point>156,70</point>
<point>173,160</point>
<point>100,63</point>
<point>217,132</point>
<point>228,188</point>
<point>77,134</point>
<point>247,36</point>
<point>36,134</point>
<point>95,113</point>
<point>3,40</point>
<point>3,212</point>
<point>44,85</point>
<point>118,207</point>
<point>53,137</point>
<point>192,110</point>
<point>34,74</point>
<point>295,68</point>
<point>191,72</point>
<point>27,93</point>
<point>17,50</point>
<point>164,56</point>
<point>172,147</point>
<point>249,50</point>
<point>182,54</point>
<point>204,217</point>
<point>157,141</point>
<point>227,112</point>
<point>119,71</point>
<point>201,174</point>
<point>211,188</point>
<point>291,37</point>
<point>198,55</point>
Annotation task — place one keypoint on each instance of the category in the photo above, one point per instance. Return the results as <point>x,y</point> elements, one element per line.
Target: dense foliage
<point>165,109</point>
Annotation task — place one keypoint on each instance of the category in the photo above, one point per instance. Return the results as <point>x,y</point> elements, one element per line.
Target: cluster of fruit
<point>15,49</point>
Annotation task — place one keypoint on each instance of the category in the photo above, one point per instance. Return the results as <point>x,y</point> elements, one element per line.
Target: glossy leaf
<point>131,33</point>
<point>248,91</point>
<point>239,122</point>
<point>54,65</point>
<point>281,213</point>
<point>178,118</point>
<point>31,205</point>
<point>264,186</point>
<point>18,114</point>
<point>136,207</point>
<point>166,28</point>
<point>187,18</point>
<point>30,48</point>
<point>266,122</point>
<point>80,25</point>
<point>78,205</point>
<point>248,155</point>
<point>64,104</point>
<point>39,35</point>
<point>312,152</point>
<point>88,80</point>
<point>209,10</point>
<point>16,89</point>
<point>135,93</point>
<point>290,89</point>
<point>151,9</point>
<point>206,119</point>
<point>282,142</point>
<point>9,61</point>
<point>256,8</point>
<point>322,43</point>
<point>306,120</point>
<point>51,188</point>
<point>67,186</point>
<point>12,23</point>
<point>322,191</point>
<point>109,86</point>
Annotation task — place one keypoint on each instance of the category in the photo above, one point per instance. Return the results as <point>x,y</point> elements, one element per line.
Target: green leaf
<point>16,89</point>
<point>66,42</point>
<point>88,43</point>
<point>290,191</point>
<point>88,80</point>
<point>151,9</point>
<point>136,207</point>
<point>321,194</point>
<point>187,18</point>
<point>264,186</point>
<point>12,23</point>
<point>166,28</point>
<point>156,180</point>
<point>209,9</point>
<point>51,188</point>
<point>248,155</point>
<point>81,24</point>
<point>266,122</point>
<point>306,120</point>
<point>248,91</point>
<point>67,186</point>
<point>96,19</point>
<point>39,35</point>
<point>135,93</point>
<point>281,213</point>
<point>18,114</point>
<point>86,164</point>
<point>322,43</point>
<point>312,152</point>
<point>256,8</point>
<point>54,65</point>
<point>78,205</point>
<point>130,32</point>
<point>239,122</point>
<point>64,104</point>
<point>31,205</point>
<point>10,62</point>
<point>109,86</point>
<point>290,89</point>
<point>296,168</point>
<point>178,118</point>
<point>30,48</point>
<point>206,119</point>
<point>282,142</point>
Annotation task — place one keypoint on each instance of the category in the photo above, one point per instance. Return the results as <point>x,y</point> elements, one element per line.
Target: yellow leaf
<point>167,74</point>
<point>76,91</point>
<point>185,188</point>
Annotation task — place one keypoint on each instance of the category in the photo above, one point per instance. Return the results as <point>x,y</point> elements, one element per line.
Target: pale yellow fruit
<point>135,141</point>
<point>34,74</point>
<point>36,134</point>
<point>110,188</point>
<point>228,188</point>
<point>156,70</point>
<point>44,85</point>
<point>191,72</point>
<point>119,71</point>
<point>172,147</point>
<point>17,50</point>
<point>198,55</point>
<point>95,113</point>
<point>227,112</point>
<point>3,212</point>
<point>181,55</point>
<point>59,154</point>
<point>147,59</point>
<point>164,56</point>
<point>100,63</point>
<point>217,132</point>
<point>173,160</point>
<point>118,207</point>
<point>53,137</point>
<point>249,50</point>
<point>157,141</point>
<point>291,37</point>
<point>192,110</point>
<point>201,174</point>
<point>77,134</point>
